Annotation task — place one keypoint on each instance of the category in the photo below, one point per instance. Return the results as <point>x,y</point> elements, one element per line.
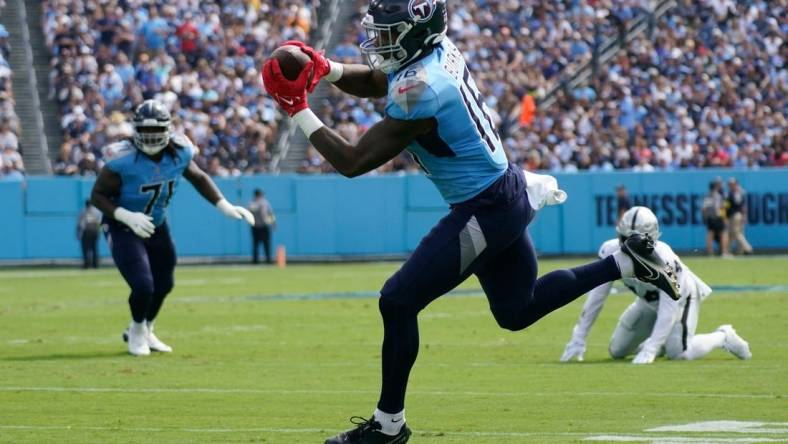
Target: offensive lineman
<point>654,320</point>
<point>435,111</point>
<point>133,191</point>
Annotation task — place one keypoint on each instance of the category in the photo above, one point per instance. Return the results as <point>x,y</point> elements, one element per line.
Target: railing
<point>39,119</point>
<point>606,51</point>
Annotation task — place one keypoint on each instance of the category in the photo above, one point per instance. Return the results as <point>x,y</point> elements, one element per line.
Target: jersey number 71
<point>155,188</point>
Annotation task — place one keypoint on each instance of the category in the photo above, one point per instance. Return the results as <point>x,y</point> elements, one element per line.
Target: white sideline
<point>197,390</point>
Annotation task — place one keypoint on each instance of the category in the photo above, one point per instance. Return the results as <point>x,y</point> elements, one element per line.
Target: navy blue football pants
<point>147,265</point>
<point>486,236</point>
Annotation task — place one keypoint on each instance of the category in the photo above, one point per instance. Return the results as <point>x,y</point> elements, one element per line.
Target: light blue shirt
<point>463,155</point>
<point>148,186</point>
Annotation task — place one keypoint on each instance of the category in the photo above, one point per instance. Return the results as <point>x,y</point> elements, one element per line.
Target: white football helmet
<point>638,220</point>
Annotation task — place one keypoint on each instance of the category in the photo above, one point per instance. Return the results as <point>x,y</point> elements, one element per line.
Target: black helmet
<point>151,127</point>
<point>399,31</point>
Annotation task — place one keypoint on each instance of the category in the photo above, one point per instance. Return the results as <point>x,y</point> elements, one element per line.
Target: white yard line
<point>594,437</point>
<point>676,439</point>
<point>197,390</point>
<point>326,430</point>
<point>748,427</point>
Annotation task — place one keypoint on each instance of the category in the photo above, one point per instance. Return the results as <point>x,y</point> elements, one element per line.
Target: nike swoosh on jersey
<point>288,101</point>
<point>406,89</point>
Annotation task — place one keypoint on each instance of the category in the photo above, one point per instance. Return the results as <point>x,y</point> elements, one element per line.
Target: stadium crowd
<point>706,90</point>
<point>512,47</point>
<point>199,57</point>
<point>11,165</point>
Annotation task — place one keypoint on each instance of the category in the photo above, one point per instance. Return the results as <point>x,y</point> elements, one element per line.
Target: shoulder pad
<point>665,251</point>
<point>181,142</point>
<point>411,96</point>
<point>117,150</point>
<point>608,247</point>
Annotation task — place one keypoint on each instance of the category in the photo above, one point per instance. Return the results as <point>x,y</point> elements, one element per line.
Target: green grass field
<point>287,356</point>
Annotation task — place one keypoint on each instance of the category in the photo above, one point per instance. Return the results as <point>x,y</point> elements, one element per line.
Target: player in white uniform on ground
<point>654,320</point>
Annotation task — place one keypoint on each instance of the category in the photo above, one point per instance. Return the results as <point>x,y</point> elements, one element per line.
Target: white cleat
<point>155,343</point>
<point>734,343</point>
<point>137,335</point>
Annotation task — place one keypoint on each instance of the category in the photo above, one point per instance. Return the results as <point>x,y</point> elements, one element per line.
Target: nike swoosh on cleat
<point>396,420</point>
<point>654,275</point>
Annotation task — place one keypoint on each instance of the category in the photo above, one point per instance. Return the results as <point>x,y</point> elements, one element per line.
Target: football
<point>291,60</point>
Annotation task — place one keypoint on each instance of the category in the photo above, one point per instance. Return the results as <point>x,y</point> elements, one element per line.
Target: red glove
<point>289,94</point>
<point>321,67</point>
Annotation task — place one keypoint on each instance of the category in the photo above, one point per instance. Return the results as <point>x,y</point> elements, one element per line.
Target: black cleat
<point>368,432</point>
<point>649,267</point>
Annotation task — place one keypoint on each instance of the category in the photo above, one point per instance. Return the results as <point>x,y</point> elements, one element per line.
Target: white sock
<point>701,345</point>
<point>391,423</point>
<point>138,328</point>
<point>625,265</point>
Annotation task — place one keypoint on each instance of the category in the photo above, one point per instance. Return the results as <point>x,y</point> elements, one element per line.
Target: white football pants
<point>637,323</point>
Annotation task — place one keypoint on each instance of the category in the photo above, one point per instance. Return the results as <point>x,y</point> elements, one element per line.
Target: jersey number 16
<point>490,136</point>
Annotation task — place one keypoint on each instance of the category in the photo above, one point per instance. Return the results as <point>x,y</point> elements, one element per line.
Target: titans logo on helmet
<point>421,10</point>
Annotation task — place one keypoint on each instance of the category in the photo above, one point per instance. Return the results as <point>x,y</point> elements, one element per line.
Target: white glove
<point>575,348</point>
<point>140,223</point>
<point>235,212</point>
<point>646,355</point>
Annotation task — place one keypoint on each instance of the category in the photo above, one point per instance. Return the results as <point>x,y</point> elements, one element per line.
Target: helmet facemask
<point>383,46</point>
<point>151,136</point>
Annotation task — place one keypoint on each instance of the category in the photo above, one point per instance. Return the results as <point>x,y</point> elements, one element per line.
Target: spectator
<point>622,197</point>
<point>737,216</point>
<point>88,228</point>
<point>8,139</point>
<point>713,211</point>
<point>264,224</point>
<point>5,46</point>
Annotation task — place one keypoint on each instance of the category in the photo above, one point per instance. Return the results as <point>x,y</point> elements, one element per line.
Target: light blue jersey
<point>148,186</point>
<point>463,155</point>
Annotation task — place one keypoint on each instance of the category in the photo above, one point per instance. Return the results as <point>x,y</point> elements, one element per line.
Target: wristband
<point>225,207</point>
<point>308,122</point>
<point>121,214</point>
<point>337,69</point>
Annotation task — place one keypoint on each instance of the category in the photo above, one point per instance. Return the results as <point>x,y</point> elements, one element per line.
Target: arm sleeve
<point>594,303</point>
<point>667,313</point>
